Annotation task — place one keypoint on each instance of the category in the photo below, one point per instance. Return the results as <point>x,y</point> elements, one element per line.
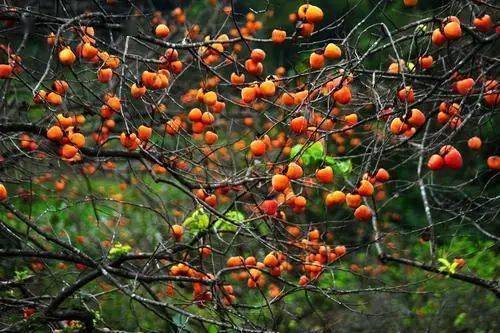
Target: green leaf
<point>234,215</point>
<point>22,275</point>
<point>119,250</point>
<point>312,155</point>
<point>212,329</point>
<point>453,268</point>
<point>340,167</point>
<point>460,319</point>
<point>197,221</point>
<point>295,150</point>
<point>445,262</point>
<point>316,151</point>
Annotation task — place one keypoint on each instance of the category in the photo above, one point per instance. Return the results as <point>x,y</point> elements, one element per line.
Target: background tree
<point>249,165</point>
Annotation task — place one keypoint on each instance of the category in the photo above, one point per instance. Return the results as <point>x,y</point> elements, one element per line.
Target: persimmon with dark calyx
<point>205,251</point>
<point>254,68</point>
<point>60,87</point>
<point>270,260</point>
<point>237,79</point>
<point>137,91</point>
<point>307,29</point>
<point>398,126</point>
<point>452,157</point>
<point>483,23</point>
<point>207,118</point>
<point>211,200</point>
<point>417,118</point>
<point>406,94</point>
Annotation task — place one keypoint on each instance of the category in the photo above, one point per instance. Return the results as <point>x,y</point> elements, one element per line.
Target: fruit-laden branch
<point>492,285</point>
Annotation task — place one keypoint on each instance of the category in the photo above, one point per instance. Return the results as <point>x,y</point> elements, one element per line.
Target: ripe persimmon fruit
<point>104,75</point>
<point>452,30</point>
<point>258,55</point>
<point>55,133</point>
<point>335,198</point>
<point>474,143</point>
<point>353,200</point>
<point>365,188</point>
<point>210,137</point>
<point>435,162</point>
<point>258,147</point>
<point>316,60</point>
<point>280,182</point>
<point>66,56</point>
<point>278,36</point>
<point>68,151</point>
<point>299,125</point>
<point>363,213</point>
<point>162,31</point>
<point>325,175</point>
<point>294,171</point>
<point>3,193</point>
<point>144,132</point>
<point>332,51</point>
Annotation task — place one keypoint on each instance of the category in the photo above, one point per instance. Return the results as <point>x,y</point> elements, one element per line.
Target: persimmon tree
<point>226,166</point>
